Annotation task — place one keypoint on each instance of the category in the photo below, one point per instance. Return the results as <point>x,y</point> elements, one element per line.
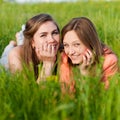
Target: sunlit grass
<point>22,99</point>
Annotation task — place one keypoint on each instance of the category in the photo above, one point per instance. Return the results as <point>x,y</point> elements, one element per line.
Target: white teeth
<point>54,46</point>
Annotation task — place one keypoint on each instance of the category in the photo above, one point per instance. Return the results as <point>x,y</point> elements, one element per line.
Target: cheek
<point>37,39</point>
<point>66,51</point>
<point>57,38</point>
<point>83,50</point>
<point>37,42</point>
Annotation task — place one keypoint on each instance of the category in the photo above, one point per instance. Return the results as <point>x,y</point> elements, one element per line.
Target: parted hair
<point>87,33</point>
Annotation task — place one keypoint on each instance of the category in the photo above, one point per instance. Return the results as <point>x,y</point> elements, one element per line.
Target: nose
<point>51,38</point>
<point>71,51</point>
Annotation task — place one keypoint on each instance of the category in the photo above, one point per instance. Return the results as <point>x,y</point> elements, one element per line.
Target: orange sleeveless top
<point>110,67</point>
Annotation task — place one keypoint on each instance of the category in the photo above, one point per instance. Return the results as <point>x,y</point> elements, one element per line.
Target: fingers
<point>46,51</point>
<point>49,49</point>
<point>88,58</point>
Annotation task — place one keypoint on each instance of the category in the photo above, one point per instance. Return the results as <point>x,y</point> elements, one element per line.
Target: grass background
<point>22,99</point>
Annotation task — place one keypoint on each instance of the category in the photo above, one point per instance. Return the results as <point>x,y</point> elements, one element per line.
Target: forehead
<point>47,26</point>
<point>70,37</point>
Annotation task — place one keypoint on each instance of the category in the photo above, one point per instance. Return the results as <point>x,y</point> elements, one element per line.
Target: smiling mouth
<point>74,56</point>
<point>55,46</point>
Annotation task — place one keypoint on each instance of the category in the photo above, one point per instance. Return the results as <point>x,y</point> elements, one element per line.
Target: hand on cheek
<point>87,58</point>
<point>46,52</point>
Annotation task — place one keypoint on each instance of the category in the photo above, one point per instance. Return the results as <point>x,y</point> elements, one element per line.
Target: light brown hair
<point>86,32</point>
<point>31,27</point>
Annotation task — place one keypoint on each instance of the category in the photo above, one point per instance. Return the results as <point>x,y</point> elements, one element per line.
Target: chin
<point>75,62</point>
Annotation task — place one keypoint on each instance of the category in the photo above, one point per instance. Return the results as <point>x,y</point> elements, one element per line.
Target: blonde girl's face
<point>46,38</point>
<point>73,47</point>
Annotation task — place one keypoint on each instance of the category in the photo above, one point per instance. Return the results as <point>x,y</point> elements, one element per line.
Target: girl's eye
<point>42,35</point>
<point>77,44</point>
<point>55,32</point>
<point>65,45</point>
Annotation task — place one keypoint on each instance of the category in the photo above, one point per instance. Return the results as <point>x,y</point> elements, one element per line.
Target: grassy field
<point>22,99</point>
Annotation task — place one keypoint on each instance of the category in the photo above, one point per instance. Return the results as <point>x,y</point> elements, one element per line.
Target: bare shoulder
<point>110,56</point>
<point>111,60</point>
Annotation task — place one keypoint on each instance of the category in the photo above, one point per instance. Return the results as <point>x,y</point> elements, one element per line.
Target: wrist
<point>88,70</point>
<point>48,64</point>
<point>84,70</point>
<point>48,67</point>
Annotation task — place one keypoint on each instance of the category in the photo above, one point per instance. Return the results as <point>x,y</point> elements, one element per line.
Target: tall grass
<point>22,99</point>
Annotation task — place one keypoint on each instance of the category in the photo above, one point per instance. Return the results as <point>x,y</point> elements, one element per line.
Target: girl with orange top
<point>82,47</point>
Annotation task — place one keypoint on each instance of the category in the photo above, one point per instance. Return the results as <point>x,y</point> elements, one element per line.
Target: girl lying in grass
<point>41,43</point>
<point>83,48</point>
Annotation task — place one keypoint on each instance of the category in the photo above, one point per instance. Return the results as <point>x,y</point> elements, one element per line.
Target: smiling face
<point>73,47</point>
<point>47,34</point>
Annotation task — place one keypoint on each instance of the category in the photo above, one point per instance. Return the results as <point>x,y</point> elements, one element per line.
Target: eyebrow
<point>76,41</point>
<point>47,32</point>
<point>56,30</point>
<point>73,41</point>
<point>42,32</point>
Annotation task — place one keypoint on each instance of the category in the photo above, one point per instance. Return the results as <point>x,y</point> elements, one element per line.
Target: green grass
<point>22,99</point>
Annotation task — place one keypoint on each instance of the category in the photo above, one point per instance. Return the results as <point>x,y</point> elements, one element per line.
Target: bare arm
<point>14,60</point>
<point>87,68</point>
<point>48,57</point>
